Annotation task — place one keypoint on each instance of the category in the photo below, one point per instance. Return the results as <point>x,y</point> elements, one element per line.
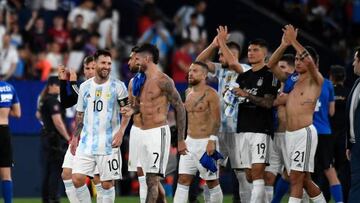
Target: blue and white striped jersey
<point>226,78</point>
<point>99,102</point>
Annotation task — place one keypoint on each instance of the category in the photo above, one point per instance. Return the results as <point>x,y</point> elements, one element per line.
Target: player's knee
<point>78,180</point>
<point>107,185</point>
<point>269,178</point>
<point>66,174</point>
<point>296,178</point>
<point>96,179</point>
<point>212,183</point>
<point>184,180</point>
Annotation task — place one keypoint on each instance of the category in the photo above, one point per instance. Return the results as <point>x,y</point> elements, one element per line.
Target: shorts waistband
<point>301,129</point>
<point>155,129</point>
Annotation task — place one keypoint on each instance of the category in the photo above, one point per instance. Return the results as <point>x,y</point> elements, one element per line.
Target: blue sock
<point>7,190</point>
<point>282,186</point>
<point>336,192</point>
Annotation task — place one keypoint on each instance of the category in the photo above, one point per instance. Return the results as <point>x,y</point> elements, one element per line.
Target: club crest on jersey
<point>98,93</point>
<point>260,82</point>
<point>295,77</point>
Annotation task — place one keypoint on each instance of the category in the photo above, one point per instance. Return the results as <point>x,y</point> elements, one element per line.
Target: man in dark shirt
<point>257,91</point>
<point>54,137</point>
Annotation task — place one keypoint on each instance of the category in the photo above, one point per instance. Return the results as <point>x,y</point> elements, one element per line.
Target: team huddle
<point>234,122</point>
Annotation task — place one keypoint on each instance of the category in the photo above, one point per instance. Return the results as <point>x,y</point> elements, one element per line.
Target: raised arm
<point>207,54</point>
<point>275,57</point>
<point>230,59</point>
<point>290,35</point>
<point>168,87</point>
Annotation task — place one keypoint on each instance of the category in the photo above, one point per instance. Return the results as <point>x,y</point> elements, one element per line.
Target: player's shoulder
<point>211,91</point>
<point>117,82</point>
<point>86,82</point>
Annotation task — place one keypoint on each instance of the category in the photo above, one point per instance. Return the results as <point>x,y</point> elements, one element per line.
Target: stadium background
<point>328,25</point>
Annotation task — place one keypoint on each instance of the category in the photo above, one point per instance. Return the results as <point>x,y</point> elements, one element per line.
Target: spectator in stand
<point>147,18</point>
<point>159,36</point>
<point>194,31</point>
<point>92,45</point>
<point>107,28</point>
<point>8,58</point>
<point>58,33</point>
<point>54,56</point>
<point>181,61</point>
<point>85,10</point>
<point>43,66</point>
<point>16,35</point>
<point>78,34</point>
<point>36,35</point>
<point>182,17</point>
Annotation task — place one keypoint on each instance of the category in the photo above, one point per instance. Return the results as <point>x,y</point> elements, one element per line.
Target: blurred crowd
<point>335,22</point>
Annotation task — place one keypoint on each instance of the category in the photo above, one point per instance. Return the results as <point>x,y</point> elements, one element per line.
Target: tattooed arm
<point>79,123</point>
<point>266,101</point>
<point>168,87</point>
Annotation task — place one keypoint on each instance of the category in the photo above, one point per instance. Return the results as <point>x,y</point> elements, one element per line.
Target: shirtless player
<point>153,102</point>
<point>134,162</point>
<point>203,107</point>
<point>301,135</point>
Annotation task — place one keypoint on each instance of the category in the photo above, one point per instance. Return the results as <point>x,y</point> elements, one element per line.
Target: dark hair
<point>357,51</point>
<point>234,45</point>
<point>338,73</point>
<point>314,55</point>
<point>53,80</point>
<point>150,49</point>
<point>88,59</point>
<point>194,15</point>
<point>186,41</point>
<point>261,42</point>
<point>202,64</point>
<point>101,52</point>
<point>289,58</point>
<point>134,49</point>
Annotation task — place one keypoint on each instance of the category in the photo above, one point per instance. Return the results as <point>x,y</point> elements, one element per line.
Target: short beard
<point>194,82</point>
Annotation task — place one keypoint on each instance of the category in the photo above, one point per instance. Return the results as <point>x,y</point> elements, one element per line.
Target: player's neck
<point>257,66</point>
<point>199,87</point>
<point>151,71</point>
<point>100,81</point>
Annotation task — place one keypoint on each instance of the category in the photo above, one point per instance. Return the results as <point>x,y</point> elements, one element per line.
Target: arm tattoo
<point>175,100</point>
<point>79,118</point>
<point>266,101</point>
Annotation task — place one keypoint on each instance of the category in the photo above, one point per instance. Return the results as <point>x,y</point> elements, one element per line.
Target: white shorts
<point>154,148</point>
<point>189,164</point>
<point>134,160</point>
<point>109,165</point>
<point>278,154</point>
<point>69,161</point>
<point>254,148</point>
<point>301,147</point>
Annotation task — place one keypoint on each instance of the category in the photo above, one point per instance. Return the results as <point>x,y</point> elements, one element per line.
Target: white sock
<point>216,195</point>
<point>305,198</point>
<point>99,193</point>
<point>143,189</point>
<point>269,192</point>
<point>294,200</point>
<point>206,194</point>
<point>108,195</point>
<point>319,199</point>
<point>244,186</point>
<point>83,194</point>
<point>70,191</point>
<point>258,191</point>
<point>181,194</point>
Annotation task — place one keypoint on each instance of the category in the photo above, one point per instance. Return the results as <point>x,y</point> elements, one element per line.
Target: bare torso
<point>4,116</point>
<point>301,103</point>
<point>281,113</point>
<point>197,105</point>
<point>154,104</point>
<point>133,101</point>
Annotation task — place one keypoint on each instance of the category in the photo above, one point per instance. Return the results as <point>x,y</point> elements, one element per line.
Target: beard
<point>103,74</point>
<point>134,69</point>
<point>193,82</point>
